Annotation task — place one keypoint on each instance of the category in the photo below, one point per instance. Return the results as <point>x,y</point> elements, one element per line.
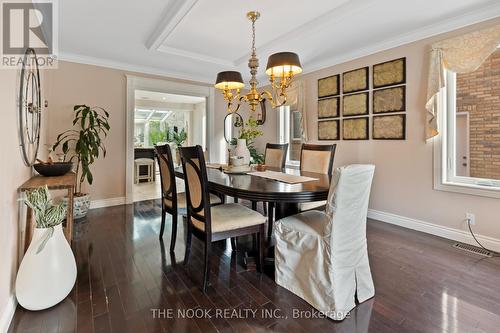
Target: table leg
<point>284,209</point>
<point>28,232</point>
<point>69,217</point>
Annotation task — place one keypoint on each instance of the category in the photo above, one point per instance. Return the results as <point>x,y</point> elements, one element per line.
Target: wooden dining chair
<point>275,155</point>
<point>214,223</point>
<point>171,202</point>
<point>318,159</point>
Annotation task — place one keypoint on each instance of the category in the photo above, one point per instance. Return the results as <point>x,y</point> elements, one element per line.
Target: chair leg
<point>260,249</point>
<point>206,271</point>
<point>174,232</point>
<point>162,227</point>
<point>188,243</point>
<point>234,243</point>
<point>270,220</point>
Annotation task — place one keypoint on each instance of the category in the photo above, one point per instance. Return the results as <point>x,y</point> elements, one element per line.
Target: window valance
<point>462,54</point>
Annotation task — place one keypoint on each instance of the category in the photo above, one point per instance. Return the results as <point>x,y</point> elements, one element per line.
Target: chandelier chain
<point>254,49</point>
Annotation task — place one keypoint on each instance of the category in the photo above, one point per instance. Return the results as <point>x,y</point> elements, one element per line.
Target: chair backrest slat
<point>196,180</point>
<point>167,175</point>
<point>317,158</point>
<point>275,155</point>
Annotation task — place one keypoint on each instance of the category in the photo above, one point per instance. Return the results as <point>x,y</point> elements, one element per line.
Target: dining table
<point>285,196</point>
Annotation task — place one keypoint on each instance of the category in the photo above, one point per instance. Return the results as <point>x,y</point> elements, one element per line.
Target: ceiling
<point>195,39</point>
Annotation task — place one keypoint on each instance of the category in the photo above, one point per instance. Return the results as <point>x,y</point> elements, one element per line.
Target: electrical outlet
<point>471,217</point>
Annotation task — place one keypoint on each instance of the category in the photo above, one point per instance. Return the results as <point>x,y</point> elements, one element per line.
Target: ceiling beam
<point>172,16</point>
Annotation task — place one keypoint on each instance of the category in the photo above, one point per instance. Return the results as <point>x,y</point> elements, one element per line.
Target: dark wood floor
<point>422,285</point>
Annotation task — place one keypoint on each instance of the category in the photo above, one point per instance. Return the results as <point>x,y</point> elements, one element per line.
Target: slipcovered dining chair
<point>322,257</point>
<point>211,224</point>
<point>318,159</point>
<point>171,202</point>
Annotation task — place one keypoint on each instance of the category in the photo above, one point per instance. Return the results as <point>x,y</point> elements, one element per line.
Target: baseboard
<point>107,202</point>
<point>434,229</point>
<point>8,314</point>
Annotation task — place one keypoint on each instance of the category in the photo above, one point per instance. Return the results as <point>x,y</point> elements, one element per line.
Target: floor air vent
<point>473,249</point>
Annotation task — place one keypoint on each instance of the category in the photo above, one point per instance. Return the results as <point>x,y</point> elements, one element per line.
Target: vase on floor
<point>48,270</point>
<point>242,151</point>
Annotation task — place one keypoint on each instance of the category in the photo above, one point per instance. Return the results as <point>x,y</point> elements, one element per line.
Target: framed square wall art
<point>328,107</point>
<point>329,86</point>
<point>392,127</point>
<point>389,73</point>
<point>328,130</point>
<point>389,100</point>
<point>355,80</point>
<point>355,104</point>
<point>355,128</point>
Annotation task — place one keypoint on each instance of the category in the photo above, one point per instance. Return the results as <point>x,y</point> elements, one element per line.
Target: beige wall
<point>73,84</point>
<point>403,183</point>
<point>13,173</point>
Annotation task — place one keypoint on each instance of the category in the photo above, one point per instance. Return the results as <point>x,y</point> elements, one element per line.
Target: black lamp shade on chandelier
<point>283,63</point>
<point>229,80</point>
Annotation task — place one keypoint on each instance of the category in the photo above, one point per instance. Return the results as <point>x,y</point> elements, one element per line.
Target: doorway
<point>161,112</point>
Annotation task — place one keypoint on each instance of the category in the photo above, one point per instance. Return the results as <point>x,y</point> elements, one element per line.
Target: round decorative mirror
<point>232,121</point>
<point>30,108</point>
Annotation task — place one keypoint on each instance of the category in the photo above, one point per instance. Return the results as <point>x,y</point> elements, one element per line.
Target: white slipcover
<point>322,256</point>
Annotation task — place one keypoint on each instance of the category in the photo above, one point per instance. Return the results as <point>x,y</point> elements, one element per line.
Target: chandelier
<point>281,68</point>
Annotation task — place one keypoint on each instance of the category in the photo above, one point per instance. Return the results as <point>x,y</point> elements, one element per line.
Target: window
<point>470,133</point>
<point>290,131</point>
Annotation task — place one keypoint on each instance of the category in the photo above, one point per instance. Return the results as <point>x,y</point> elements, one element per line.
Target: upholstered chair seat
<point>232,216</point>
<point>303,206</point>
<point>322,257</point>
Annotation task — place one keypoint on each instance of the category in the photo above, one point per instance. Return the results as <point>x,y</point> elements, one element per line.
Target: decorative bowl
<point>54,169</point>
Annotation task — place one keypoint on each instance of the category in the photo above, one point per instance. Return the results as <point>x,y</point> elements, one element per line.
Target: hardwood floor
<point>124,273</point>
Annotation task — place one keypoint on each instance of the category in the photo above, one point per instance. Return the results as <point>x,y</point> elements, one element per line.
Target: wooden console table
<point>65,182</point>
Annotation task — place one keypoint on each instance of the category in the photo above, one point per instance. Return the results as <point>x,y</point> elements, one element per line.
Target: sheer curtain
<point>462,54</point>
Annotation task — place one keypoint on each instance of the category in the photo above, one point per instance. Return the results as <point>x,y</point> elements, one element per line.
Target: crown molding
<point>195,56</point>
<point>102,62</point>
<point>467,19</point>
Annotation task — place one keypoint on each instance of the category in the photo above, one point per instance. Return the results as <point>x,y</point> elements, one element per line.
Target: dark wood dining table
<point>286,197</point>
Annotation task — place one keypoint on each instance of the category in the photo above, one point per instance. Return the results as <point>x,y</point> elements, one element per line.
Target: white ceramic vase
<point>46,278</point>
<point>242,150</point>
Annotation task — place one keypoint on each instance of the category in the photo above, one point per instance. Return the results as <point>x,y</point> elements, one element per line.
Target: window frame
<point>445,150</point>
<point>284,133</point>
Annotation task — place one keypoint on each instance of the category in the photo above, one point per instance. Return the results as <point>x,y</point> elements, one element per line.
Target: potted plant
<point>48,270</point>
<point>178,138</point>
<point>245,142</point>
<point>84,144</point>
